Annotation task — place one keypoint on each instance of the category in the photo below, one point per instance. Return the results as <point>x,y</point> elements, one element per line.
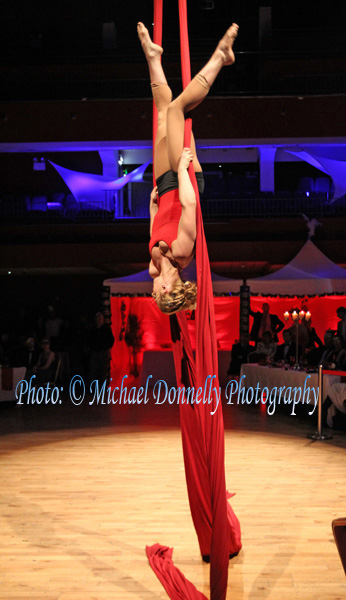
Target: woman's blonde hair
<point>182,297</point>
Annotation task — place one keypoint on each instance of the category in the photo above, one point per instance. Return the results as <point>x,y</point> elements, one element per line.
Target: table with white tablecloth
<point>9,379</point>
<point>271,377</point>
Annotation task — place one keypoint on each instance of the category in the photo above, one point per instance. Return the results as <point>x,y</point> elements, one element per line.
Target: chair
<point>72,207</point>
<point>39,203</point>
<point>55,371</point>
<point>58,197</point>
<point>323,184</point>
<point>306,184</point>
<point>339,532</point>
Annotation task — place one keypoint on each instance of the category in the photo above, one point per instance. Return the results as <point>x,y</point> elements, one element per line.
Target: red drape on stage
<point>155,328</point>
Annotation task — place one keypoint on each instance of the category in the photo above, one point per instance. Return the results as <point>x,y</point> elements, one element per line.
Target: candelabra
<point>297,317</point>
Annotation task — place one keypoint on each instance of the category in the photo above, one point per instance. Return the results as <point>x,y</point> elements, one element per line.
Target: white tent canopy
<point>309,272</point>
<point>139,283</point>
<point>142,283</point>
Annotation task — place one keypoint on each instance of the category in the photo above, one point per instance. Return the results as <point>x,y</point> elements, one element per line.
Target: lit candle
<point>286,315</point>
<point>308,315</point>
<point>301,314</point>
<point>294,315</point>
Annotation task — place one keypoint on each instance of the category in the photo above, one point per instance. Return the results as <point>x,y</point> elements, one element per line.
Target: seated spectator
<point>287,351</point>
<point>327,350</point>
<point>322,356</point>
<point>265,350</point>
<point>267,346</point>
<point>44,369</point>
<point>239,354</point>
<point>338,357</point>
<point>341,331</point>
<point>334,406</point>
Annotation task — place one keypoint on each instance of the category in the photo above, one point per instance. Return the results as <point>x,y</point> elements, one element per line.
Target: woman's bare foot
<point>225,45</point>
<point>150,49</point>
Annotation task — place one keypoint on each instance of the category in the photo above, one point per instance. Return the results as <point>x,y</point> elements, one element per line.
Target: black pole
<point>319,436</point>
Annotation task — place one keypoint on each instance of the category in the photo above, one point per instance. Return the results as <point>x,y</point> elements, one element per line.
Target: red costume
<point>166,221</point>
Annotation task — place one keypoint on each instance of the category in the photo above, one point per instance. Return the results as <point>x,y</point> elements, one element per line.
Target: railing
<point>39,210</point>
<point>271,207</point>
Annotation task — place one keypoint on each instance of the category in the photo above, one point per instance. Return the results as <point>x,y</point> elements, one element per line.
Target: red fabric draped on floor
<point>202,429</point>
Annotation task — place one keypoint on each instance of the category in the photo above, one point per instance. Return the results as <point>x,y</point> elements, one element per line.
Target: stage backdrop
<point>139,326</point>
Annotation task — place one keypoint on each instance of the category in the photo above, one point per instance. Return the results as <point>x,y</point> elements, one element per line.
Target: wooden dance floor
<point>84,489</point>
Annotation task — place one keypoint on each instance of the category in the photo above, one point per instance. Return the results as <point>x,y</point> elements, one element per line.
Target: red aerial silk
<point>216,525</point>
<point>157,39</point>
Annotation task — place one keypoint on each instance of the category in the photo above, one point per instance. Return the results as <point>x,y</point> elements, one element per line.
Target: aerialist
<point>173,201</point>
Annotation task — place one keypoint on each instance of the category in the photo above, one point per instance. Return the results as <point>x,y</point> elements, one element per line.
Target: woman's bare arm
<point>183,246</point>
<point>153,207</point>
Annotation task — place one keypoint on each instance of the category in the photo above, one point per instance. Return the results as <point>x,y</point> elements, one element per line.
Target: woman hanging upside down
<point>173,201</point>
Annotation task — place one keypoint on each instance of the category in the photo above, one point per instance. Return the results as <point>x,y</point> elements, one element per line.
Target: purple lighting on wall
<point>90,188</point>
<point>336,169</point>
<point>54,205</point>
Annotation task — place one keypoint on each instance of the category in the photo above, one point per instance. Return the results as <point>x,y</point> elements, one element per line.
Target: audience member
<point>324,354</point>
<point>287,351</point>
<point>341,331</point>
<point>53,328</point>
<point>267,346</point>
<point>338,356</point>
<point>334,406</point>
<point>78,350</point>
<point>31,355</point>
<point>265,349</point>
<point>264,321</point>
<point>313,340</point>
<point>100,340</point>
<point>239,354</point>
<point>44,369</point>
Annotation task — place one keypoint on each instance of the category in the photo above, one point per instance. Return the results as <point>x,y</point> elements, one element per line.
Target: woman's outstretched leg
<point>195,93</point>
<point>162,97</point>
